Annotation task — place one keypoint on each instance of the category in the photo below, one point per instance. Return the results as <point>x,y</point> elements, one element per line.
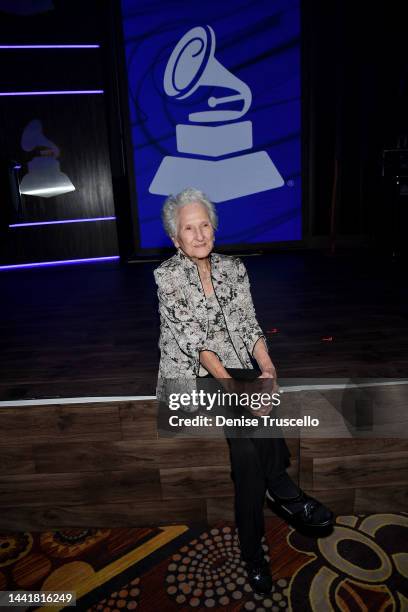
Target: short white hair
<point>188,196</point>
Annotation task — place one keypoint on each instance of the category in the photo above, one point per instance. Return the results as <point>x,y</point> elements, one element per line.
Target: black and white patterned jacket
<point>183,313</point>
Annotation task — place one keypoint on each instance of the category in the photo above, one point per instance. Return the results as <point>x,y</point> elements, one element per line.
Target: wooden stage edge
<point>101,462</point>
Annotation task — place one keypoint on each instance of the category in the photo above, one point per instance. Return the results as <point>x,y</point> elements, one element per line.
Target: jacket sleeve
<point>187,330</point>
<point>249,326</point>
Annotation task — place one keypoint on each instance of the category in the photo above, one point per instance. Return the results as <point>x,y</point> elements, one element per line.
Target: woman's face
<point>195,234</point>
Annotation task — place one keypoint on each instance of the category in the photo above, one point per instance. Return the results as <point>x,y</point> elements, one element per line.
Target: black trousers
<point>255,463</point>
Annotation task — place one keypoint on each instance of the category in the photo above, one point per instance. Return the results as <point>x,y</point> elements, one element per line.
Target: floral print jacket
<point>183,313</point>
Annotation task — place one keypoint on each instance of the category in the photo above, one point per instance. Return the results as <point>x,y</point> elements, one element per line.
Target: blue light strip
<point>44,264</point>
<point>87,220</point>
<point>51,93</point>
<point>49,46</point>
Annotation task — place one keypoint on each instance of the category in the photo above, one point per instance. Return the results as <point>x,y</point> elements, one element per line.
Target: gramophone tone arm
<point>213,101</point>
<point>213,116</point>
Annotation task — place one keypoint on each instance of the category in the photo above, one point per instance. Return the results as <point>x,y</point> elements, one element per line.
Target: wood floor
<point>93,329</point>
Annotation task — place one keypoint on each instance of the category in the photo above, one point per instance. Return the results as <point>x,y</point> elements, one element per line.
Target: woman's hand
<point>268,370</point>
<point>268,373</point>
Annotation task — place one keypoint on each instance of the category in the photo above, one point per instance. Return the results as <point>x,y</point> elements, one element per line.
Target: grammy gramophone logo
<point>216,158</point>
<point>44,178</point>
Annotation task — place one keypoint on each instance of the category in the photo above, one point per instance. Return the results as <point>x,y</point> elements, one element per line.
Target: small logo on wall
<point>44,177</point>
<point>191,65</point>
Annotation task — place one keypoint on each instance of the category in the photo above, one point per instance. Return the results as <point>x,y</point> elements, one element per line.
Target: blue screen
<point>214,101</point>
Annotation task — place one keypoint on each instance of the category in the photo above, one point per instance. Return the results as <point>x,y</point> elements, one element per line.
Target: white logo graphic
<point>44,178</point>
<point>191,65</point>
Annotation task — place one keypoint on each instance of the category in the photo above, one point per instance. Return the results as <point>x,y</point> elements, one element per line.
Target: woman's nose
<point>199,234</point>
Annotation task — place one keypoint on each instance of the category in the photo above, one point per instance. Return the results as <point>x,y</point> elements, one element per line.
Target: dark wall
<point>356,99</point>
<point>74,135</point>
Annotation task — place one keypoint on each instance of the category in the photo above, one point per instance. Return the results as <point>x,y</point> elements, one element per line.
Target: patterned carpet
<point>361,566</point>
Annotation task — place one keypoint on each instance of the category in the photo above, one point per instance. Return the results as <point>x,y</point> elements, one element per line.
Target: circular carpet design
<point>361,565</point>
<point>127,598</point>
<point>69,543</point>
<point>209,572</point>
<point>14,546</point>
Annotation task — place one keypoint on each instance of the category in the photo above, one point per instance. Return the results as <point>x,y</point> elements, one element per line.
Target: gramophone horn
<point>188,62</point>
<point>192,64</point>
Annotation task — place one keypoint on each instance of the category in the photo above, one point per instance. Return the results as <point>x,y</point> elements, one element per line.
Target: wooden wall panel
<point>46,69</point>
<point>354,475</point>
<point>79,488</point>
<point>340,447</point>
<point>128,454</point>
<point>14,460</point>
<point>394,498</point>
<point>103,464</point>
<point>360,470</point>
<point>306,473</point>
<point>70,241</point>
<point>293,469</point>
<point>138,420</point>
<point>187,482</point>
<point>127,514</point>
<point>30,425</point>
<point>220,509</point>
<point>293,446</point>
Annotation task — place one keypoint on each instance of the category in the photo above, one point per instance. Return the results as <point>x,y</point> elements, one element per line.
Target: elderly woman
<point>209,328</point>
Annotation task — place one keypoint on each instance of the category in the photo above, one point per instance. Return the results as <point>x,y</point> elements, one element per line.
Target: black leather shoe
<point>259,577</point>
<point>303,510</point>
